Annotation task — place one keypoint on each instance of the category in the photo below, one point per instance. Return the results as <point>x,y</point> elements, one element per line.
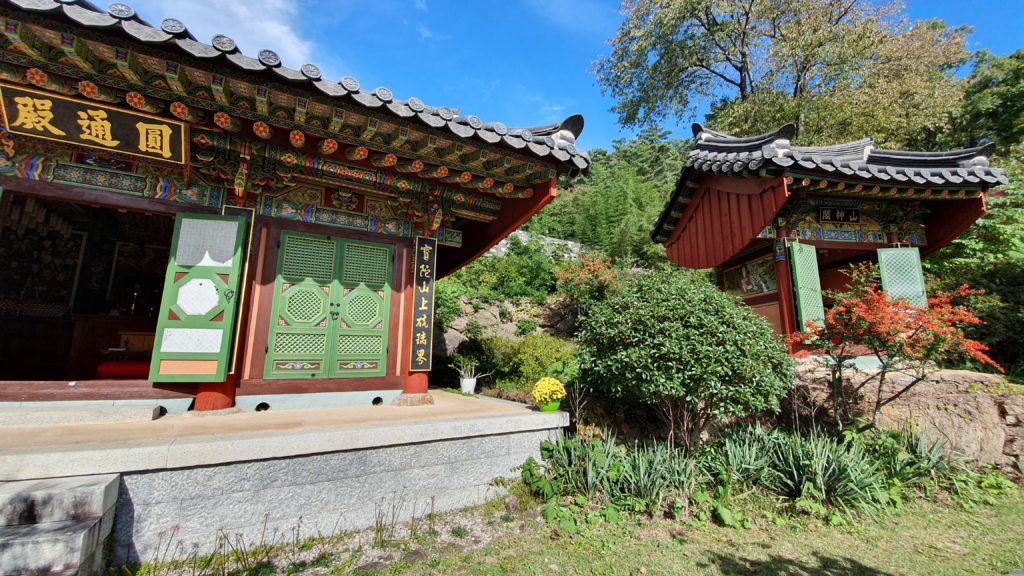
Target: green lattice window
<point>308,257</point>
<point>806,285</point>
<point>366,264</point>
<point>902,276</point>
<point>329,290</point>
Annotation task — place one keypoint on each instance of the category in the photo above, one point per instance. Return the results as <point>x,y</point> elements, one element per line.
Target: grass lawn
<point>923,538</point>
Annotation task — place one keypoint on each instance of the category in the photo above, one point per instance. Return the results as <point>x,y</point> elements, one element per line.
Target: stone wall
<point>978,415</point>
<point>329,492</point>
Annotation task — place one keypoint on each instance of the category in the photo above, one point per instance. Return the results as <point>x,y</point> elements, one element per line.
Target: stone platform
<point>187,479</point>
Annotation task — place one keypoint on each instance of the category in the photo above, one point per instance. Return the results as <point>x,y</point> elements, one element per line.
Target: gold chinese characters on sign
<point>423,304</point>
<point>52,117</point>
<point>838,215</point>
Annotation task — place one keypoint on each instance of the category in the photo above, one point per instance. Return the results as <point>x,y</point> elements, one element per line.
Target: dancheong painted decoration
<point>779,223</point>
<point>182,220</point>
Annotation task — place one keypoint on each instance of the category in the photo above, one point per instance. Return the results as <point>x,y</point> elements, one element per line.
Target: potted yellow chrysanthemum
<point>548,393</point>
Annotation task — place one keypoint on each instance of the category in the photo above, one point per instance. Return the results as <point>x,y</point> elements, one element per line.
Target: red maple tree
<point>905,339</point>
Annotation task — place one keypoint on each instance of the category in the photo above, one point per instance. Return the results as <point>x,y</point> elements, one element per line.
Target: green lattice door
<point>304,293</point>
<point>362,328</point>
<point>330,310</point>
<point>806,285</point>
<point>902,276</point>
<point>196,323</point>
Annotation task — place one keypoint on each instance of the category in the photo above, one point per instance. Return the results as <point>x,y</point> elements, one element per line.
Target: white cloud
<point>254,25</point>
<point>421,5</point>
<point>428,34</point>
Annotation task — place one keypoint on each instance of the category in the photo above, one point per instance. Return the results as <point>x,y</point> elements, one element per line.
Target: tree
<point>672,340</point>
<point>993,109</point>
<point>614,207</point>
<point>838,69</point>
<point>904,339</point>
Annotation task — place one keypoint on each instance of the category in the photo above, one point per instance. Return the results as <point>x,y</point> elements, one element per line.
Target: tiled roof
<point>718,153</point>
<point>555,140</point>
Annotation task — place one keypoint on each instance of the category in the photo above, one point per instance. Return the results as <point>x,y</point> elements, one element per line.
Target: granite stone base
<point>163,511</point>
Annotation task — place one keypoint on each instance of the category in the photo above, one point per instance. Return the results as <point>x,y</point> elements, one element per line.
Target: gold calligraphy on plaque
<point>39,114</point>
<point>35,114</point>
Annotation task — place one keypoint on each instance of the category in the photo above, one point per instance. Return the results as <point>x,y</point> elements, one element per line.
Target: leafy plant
<point>644,479</point>
<point>474,329</point>
<point>819,468</point>
<point>525,326</point>
<point>742,456</point>
<point>903,338</point>
<point>673,341</point>
<point>467,367</point>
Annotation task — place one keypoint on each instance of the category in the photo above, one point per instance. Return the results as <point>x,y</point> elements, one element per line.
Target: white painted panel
<point>191,340</point>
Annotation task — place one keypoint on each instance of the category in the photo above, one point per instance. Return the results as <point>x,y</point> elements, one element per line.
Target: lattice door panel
<point>902,276</point>
<point>300,331</point>
<point>806,285</point>
<point>195,327</point>
<point>362,329</point>
<point>331,306</point>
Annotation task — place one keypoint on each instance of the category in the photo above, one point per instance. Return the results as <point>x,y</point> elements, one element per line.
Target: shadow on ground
<point>822,565</point>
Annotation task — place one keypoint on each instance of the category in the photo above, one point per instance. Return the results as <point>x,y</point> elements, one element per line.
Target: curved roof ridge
<point>708,139</point>
<point>174,33</point>
<point>962,158</point>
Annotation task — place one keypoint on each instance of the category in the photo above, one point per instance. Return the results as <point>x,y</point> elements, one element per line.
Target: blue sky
<point>521,62</point>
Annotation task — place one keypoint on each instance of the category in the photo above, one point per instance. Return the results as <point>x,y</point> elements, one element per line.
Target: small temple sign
<point>838,215</point>
<point>86,123</point>
<point>423,305</point>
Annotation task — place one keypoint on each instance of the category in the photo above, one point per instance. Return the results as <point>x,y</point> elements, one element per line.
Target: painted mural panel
<point>752,278</point>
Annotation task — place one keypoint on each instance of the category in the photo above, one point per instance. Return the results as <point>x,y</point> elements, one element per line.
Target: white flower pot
<point>468,385</point>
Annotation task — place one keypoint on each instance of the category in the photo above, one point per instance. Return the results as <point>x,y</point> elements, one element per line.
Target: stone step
<point>65,547</point>
<point>57,499</point>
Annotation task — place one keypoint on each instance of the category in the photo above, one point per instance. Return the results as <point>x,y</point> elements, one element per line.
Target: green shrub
<point>516,365</point>
<point>742,456</point>
<point>538,353</point>
<point>822,470</point>
<point>446,303</point>
<point>526,326</point>
<point>474,329</point>
<point>674,341</point>
<point>645,477</point>
<point>905,457</point>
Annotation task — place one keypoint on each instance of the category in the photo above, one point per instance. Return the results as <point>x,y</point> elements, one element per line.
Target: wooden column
<point>216,395</point>
<point>784,279</point>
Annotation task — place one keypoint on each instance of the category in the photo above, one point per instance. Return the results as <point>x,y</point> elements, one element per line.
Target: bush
<point>525,271</point>
<point>674,341</point>
<point>446,303</point>
<point>516,366</point>
<point>822,470</point>
<point>526,326</point>
<point>585,281</point>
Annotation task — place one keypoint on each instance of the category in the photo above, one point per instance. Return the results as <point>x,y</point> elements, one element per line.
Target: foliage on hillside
<point>614,208</point>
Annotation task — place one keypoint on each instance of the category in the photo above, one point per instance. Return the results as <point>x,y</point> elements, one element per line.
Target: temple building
<point>778,223</point>
<point>185,224</point>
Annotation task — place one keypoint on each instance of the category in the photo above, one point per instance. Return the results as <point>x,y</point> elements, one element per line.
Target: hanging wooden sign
<point>838,215</point>
<point>86,123</point>
<point>423,305</point>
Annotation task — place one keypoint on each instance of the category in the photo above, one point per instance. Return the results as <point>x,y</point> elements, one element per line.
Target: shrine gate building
<point>778,223</point>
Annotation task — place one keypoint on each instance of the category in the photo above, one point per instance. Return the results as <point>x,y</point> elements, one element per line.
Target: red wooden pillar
<point>784,280</point>
<point>216,395</point>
